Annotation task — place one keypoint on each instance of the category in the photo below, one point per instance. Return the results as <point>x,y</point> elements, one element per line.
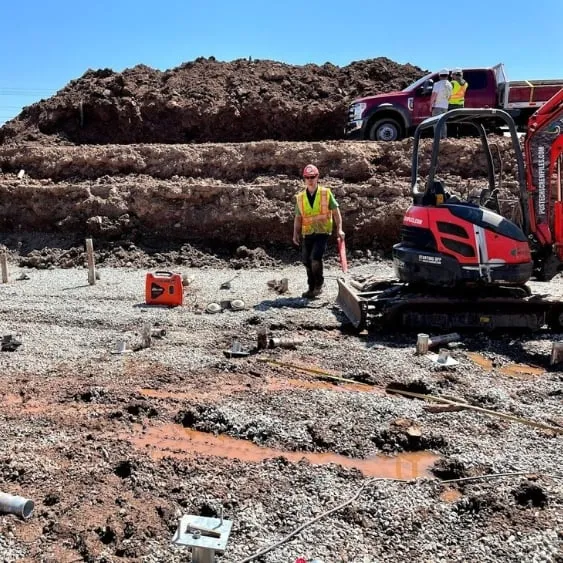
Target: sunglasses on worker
<point>310,177</point>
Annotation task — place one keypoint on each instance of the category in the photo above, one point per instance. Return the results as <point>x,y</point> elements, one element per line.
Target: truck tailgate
<point>532,93</point>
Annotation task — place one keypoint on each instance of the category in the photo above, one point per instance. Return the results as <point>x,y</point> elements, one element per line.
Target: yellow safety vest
<point>316,219</point>
<point>458,93</point>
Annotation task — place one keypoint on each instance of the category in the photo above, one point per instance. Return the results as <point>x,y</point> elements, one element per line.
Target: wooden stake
<point>91,264</point>
<point>497,414</point>
<point>316,371</point>
<point>4,266</point>
<point>443,400</point>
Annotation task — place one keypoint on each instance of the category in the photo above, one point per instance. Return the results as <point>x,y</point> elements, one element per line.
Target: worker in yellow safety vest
<point>459,87</point>
<point>314,212</point>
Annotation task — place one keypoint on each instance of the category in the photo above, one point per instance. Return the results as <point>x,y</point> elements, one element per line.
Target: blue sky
<point>48,43</point>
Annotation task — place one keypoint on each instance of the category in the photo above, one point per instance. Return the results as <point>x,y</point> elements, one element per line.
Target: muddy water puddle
<point>9,399</point>
<point>17,406</point>
<point>450,495</point>
<point>175,441</point>
<point>282,384</point>
<point>22,407</point>
<point>520,371</point>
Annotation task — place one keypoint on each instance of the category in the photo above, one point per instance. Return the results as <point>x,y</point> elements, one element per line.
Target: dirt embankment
<point>223,193</point>
<point>207,101</point>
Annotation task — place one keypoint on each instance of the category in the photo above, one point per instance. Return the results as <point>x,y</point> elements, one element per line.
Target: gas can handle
<point>163,272</point>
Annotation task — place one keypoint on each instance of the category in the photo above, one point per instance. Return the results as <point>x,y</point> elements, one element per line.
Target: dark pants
<point>314,247</point>
<point>454,129</point>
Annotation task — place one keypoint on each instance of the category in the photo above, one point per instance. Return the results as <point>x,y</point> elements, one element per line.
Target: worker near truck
<point>315,211</point>
<point>459,87</point>
<point>441,92</point>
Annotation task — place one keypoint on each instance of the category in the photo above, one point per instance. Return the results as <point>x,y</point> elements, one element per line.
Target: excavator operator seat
<point>437,195</point>
<point>439,188</point>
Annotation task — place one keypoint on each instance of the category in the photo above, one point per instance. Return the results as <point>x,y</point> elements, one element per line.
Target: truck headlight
<point>356,110</point>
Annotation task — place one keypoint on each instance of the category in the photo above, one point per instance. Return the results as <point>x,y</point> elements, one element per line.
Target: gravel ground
<point>85,430</point>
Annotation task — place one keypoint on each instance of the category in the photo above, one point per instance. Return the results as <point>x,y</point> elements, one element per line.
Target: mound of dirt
<point>206,101</point>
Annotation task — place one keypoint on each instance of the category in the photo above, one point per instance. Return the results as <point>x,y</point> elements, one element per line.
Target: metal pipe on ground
<point>20,506</point>
<point>443,339</point>
<point>289,342</point>
<point>424,341</point>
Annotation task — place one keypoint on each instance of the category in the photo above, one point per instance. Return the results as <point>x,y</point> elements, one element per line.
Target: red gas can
<point>164,288</point>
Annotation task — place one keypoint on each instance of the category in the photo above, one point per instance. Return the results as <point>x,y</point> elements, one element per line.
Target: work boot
<point>309,294</point>
<point>317,291</point>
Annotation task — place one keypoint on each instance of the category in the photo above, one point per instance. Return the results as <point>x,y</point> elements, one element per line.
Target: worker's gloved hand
<point>296,239</point>
<point>340,234</point>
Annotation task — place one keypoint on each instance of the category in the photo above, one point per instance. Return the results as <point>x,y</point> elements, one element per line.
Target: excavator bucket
<point>351,304</point>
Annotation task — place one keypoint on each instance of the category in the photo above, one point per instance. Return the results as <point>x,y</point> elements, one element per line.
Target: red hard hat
<point>310,170</point>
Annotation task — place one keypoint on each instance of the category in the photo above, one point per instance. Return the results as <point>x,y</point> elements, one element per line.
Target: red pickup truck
<point>395,115</point>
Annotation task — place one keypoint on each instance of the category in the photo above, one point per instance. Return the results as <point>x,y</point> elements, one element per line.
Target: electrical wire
<point>316,519</point>
<point>497,475</point>
<point>365,485</point>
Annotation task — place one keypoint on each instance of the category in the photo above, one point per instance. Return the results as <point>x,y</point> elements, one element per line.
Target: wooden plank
<point>4,266</point>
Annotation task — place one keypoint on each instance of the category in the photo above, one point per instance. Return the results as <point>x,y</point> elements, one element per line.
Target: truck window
<point>412,87</point>
<point>477,79</point>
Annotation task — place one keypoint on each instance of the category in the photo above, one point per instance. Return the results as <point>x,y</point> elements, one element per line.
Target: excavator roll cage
<point>478,119</point>
<point>539,173</point>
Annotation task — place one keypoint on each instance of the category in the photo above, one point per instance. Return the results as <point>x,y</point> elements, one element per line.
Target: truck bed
<point>531,93</point>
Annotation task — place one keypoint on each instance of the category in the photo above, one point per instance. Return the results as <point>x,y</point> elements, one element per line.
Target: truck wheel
<point>385,129</point>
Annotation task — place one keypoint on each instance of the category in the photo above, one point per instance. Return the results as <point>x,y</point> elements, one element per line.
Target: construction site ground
<point>195,170</point>
<point>114,448</point>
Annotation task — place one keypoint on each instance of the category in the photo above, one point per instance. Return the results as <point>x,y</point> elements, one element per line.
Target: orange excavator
<point>461,264</point>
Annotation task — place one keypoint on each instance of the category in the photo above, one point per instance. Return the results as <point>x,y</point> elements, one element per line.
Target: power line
<point>23,95</point>
<point>25,89</point>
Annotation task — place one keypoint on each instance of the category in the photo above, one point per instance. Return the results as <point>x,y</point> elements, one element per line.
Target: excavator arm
<point>543,147</point>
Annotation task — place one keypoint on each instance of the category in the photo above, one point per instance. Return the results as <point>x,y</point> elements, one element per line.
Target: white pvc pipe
<point>20,506</point>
